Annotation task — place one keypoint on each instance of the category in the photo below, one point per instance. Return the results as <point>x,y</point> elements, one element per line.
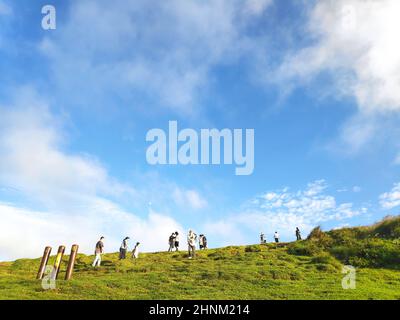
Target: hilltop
<point>308,269</point>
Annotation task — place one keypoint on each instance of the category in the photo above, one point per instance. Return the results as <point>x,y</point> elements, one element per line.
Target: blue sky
<point>318,81</point>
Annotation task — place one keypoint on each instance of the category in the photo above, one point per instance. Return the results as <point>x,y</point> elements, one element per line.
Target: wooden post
<point>43,262</point>
<point>57,263</point>
<point>71,262</point>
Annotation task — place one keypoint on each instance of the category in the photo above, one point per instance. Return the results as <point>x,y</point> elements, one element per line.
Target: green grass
<point>309,269</point>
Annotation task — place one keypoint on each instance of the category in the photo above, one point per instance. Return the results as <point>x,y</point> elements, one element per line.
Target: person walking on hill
<point>135,251</point>
<point>262,238</point>
<point>298,235</point>
<point>123,249</point>
<point>191,239</point>
<point>276,236</point>
<point>98,251</point>
<point>176,241</point>
<point>171,242</point>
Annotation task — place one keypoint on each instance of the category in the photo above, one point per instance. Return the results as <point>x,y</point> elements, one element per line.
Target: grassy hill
<point>309,269</point>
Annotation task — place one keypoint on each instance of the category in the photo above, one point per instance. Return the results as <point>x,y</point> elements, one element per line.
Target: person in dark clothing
<point>262,238</point>
<point>298,235</point>
<point>176,239</point>
<point>171,242</point>
<point>123,249</point>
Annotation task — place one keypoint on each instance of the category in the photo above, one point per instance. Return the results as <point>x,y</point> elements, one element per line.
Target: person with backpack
<point>191,239</point>
<point>123,249</point>
<point>135,251</point>
<point>276,236</point>
<point>171,242</point>
<point>176,239</point>
<point>298,235</point>
<point>98,251</point>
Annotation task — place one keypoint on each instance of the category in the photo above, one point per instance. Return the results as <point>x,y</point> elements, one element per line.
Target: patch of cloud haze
<point>32,158</point>
<point>391,199</point>
<point>397,159</point>
<point>5,9</point>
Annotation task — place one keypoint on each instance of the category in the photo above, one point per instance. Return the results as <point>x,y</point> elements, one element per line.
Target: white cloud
<point>284,210</point>
<point>189,198</point>
<point>315,188</point>
<point>74,191</point>
<point>391,199</point>
<point>356,43</point>
<point>397,159</point>
<point>163,50</point>
<point>32,159</point>
<point>25,233</point>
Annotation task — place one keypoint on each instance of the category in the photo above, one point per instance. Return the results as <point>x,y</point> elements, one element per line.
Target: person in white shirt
<point>98,252</point>
<point>191,239</point>
<point>135,251</point>
<point>276,236</point>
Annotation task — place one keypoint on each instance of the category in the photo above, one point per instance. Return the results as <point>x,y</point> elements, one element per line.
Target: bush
<point>304,248</point>
<point>326,259</point>
<point>388,228</point>
<point>253,248</point>
<point>369,253</point>
<point>316,234</point>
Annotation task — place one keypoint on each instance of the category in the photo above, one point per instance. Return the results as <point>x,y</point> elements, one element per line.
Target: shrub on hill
<point>374,246</point>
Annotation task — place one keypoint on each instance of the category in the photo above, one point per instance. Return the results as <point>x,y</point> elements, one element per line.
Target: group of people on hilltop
<point>173,244</point>
<point>276,236</point>
<point>123,249</point>
<point>99,250</point>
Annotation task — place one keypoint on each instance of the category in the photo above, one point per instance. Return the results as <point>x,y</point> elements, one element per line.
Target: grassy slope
<point>309,269</point>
